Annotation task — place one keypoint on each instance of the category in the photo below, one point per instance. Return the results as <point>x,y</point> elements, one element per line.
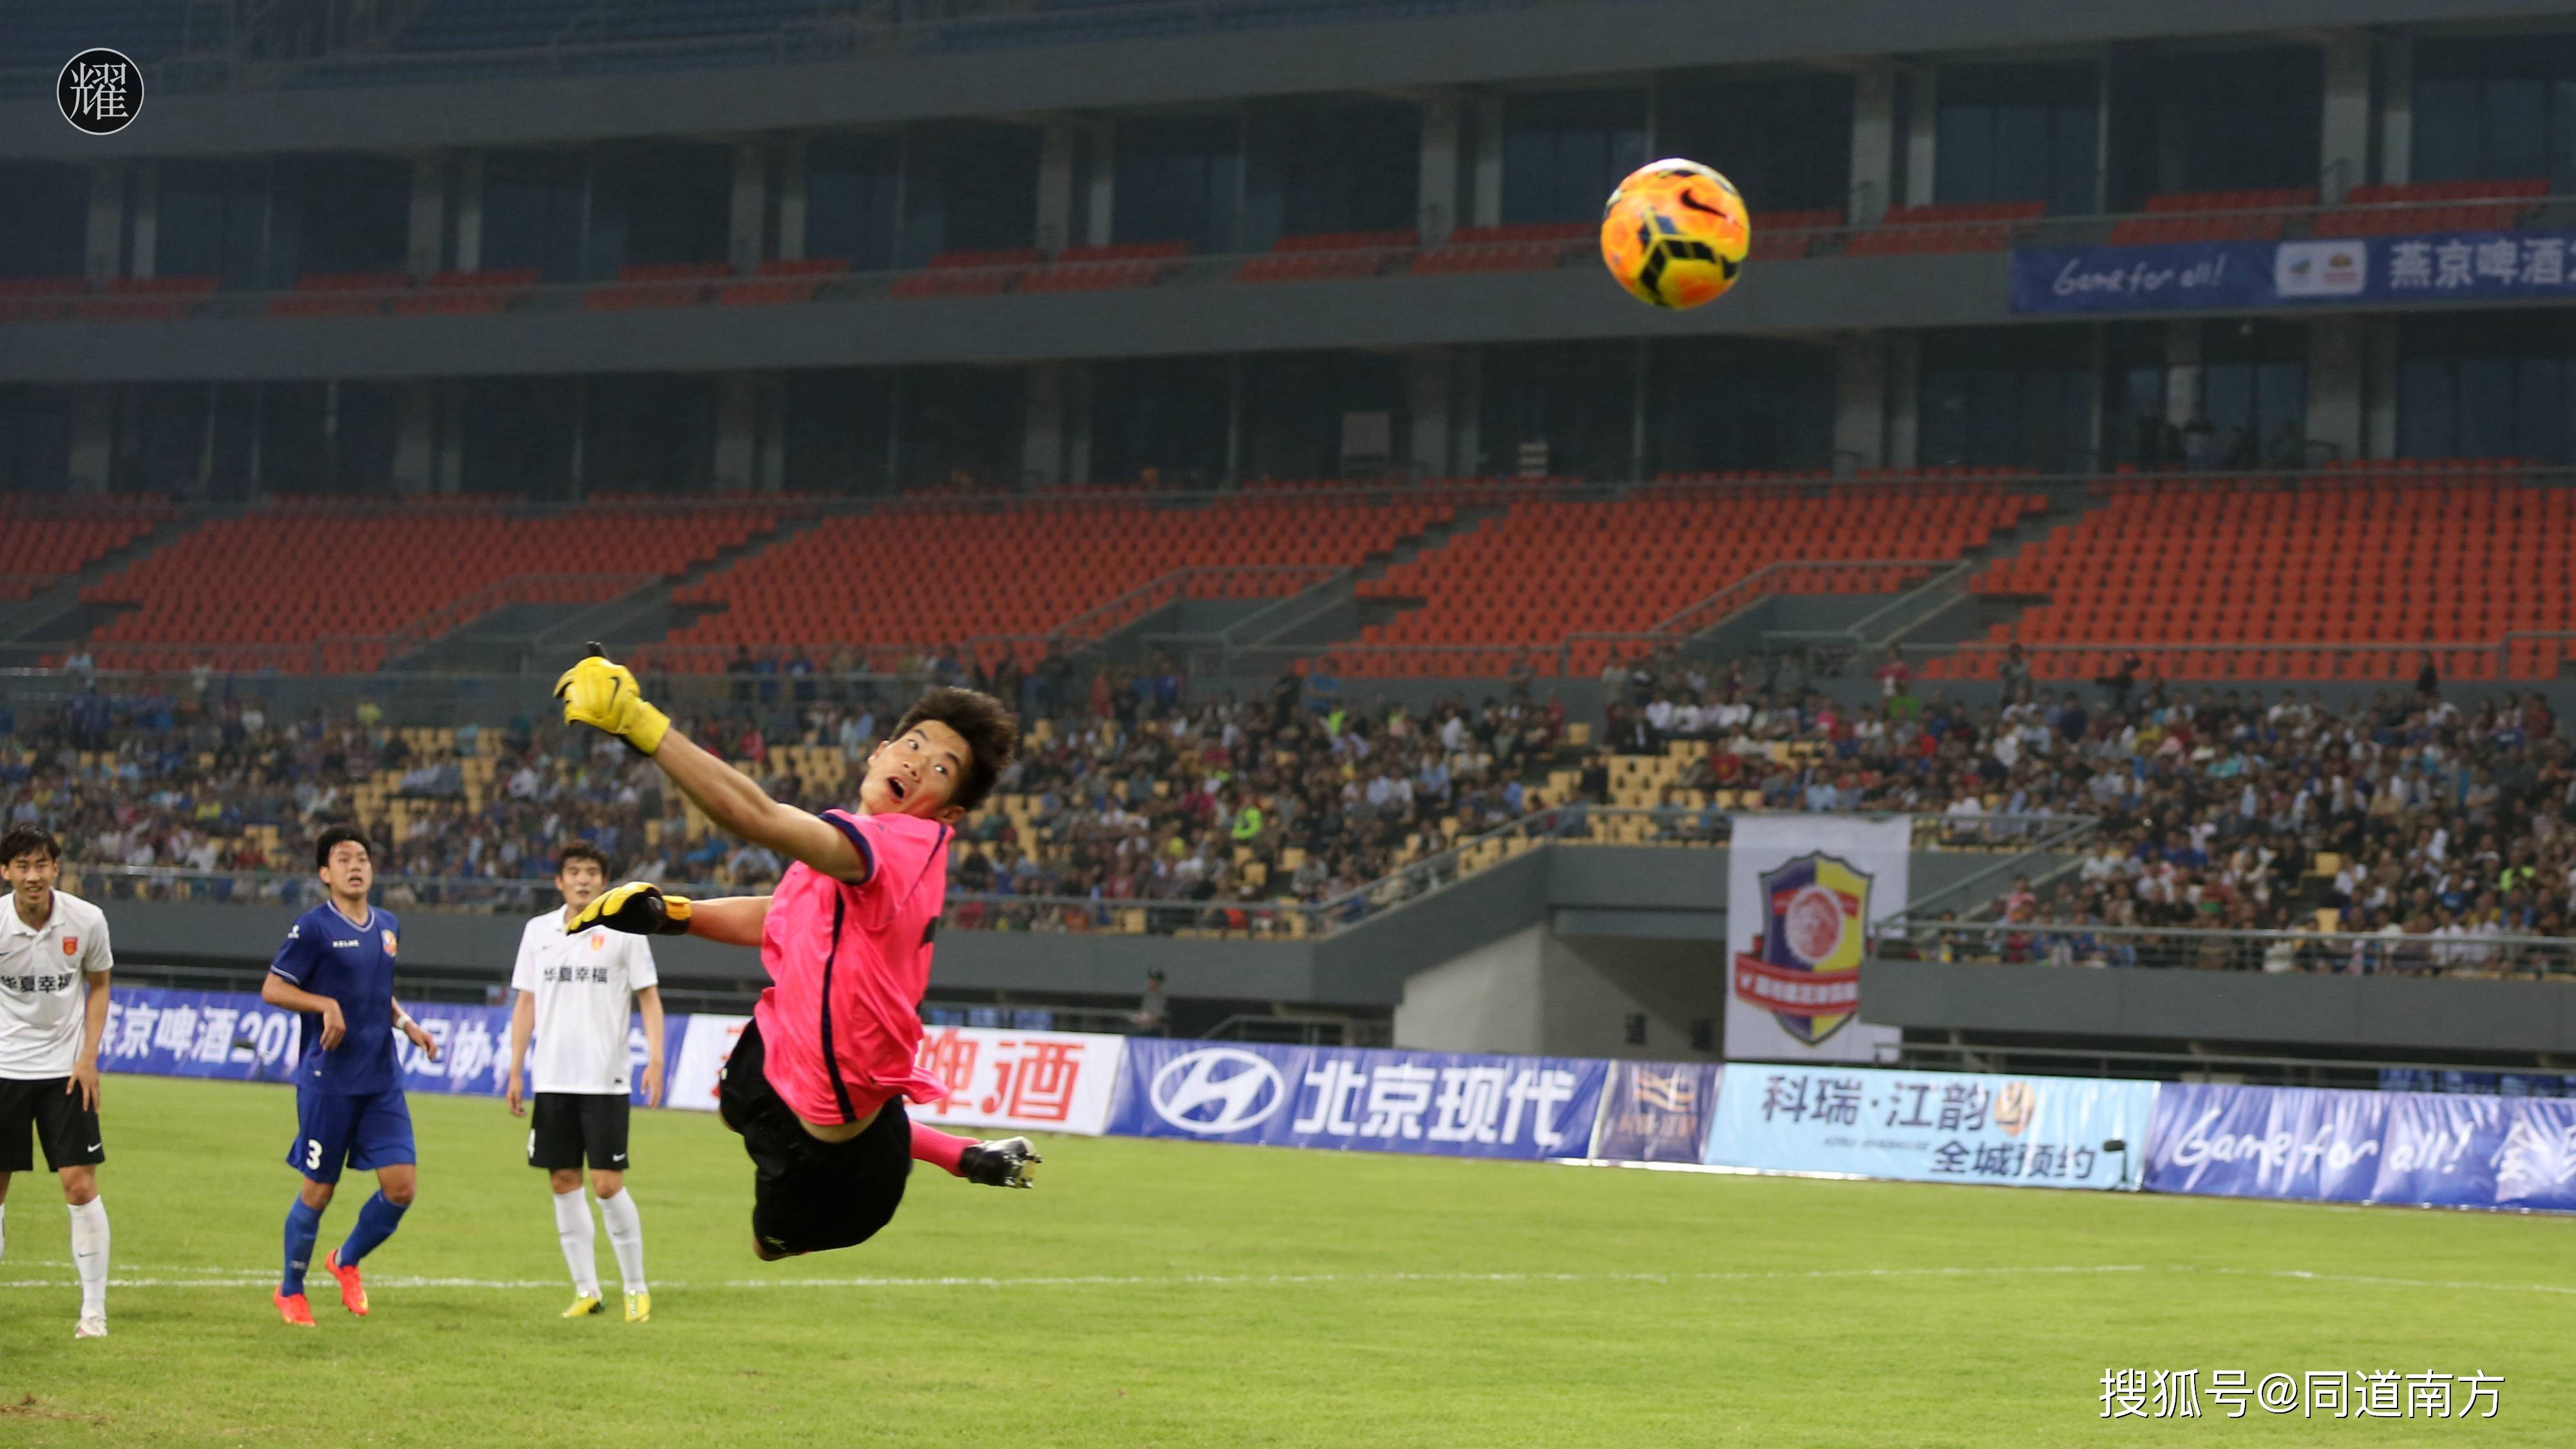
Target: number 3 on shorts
<point>312,1154</point>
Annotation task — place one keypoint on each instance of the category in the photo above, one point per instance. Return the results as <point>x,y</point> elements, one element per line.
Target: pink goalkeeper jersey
<point>848,965</point>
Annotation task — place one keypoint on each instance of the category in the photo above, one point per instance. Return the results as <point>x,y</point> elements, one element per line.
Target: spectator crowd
<point>2439,821</point>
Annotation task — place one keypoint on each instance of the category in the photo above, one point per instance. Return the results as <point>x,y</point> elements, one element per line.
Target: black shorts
<point>68,1129</point>
<point>566,1125</point>
<point>811,1196</point>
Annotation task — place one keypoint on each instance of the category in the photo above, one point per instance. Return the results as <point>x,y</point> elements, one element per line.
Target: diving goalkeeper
<point>816,1085</point>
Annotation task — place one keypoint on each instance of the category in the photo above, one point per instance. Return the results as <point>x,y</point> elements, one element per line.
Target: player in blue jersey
<point>337,968</point>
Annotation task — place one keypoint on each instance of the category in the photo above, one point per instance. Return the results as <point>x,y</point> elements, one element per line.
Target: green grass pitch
<point>1153,1293</point>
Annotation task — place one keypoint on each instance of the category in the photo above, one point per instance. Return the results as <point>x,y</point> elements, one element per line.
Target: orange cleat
<point>293,1308</point>
<point>353,1289</point>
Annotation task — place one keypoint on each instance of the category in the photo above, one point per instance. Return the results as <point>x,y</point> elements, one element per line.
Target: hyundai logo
<point>1216,1090</point>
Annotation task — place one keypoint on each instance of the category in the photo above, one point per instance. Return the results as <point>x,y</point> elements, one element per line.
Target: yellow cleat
<point>639,1307</point>
<point>583,1307</point>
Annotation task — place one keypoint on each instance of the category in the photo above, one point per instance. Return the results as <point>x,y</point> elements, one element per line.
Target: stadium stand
<point>2183,216</point>
<point>1624,567</point>
<point>667,284</point>
<point>1327,256</point>
<point>783,281</point>
<point>467,293</point>
<point>2387,210</point>
<point>2260,580</point>
<point>1785,236</point>
<point>299,587</point>
<point>1105,268</point>
<point>39,548</point>
<point>146,299</point>
<point>968,273</point>
<point>39,299</point>
<point>329,294</point>
<point>890,578</point>
<point>1524,247</point>
<point>1956,227</point>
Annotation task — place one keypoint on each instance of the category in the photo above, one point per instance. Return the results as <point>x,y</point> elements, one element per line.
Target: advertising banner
<point>1930,1126</point>
<point>1656,1112</point>
<point>1804,893</point>
<point>1345,1097</point>
<point>2407,1148</point>
<point>1039,1081</point>
<point>235,1036</point>
<point>2461,266</point>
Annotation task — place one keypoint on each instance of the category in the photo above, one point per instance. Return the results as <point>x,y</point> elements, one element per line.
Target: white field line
<point>238,1278</point>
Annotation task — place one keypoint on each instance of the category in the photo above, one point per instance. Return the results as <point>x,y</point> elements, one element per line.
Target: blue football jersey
<point>353,965</point>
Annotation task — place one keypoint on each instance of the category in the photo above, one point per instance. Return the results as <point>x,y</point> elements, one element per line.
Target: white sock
<point>572,1229</point>
<point>626,1237</point>
<point>4,1230</point>
<point>89,1254</point>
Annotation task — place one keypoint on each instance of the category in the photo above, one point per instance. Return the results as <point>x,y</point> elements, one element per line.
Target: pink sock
<point>943,1150</point>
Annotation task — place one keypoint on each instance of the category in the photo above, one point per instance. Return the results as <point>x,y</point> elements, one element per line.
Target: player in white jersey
<point>573,992</point>
<point>54,962</point>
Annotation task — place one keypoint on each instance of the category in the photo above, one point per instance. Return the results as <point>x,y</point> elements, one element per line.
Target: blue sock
<point>376,1222</point>
<point>303,1225</point>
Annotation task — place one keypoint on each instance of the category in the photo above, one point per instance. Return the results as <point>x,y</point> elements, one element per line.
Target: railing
<point>963,283</point>
<point>2339,953</point>
<point>1265,919</point>
<point>2060,662</point>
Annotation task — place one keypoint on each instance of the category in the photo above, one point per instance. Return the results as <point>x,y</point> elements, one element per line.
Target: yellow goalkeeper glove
<point>638,908</point>
<point>603,695</point>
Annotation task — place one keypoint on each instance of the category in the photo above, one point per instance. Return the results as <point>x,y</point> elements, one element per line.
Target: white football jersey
<point>585,989</point>
<point>42,992</point>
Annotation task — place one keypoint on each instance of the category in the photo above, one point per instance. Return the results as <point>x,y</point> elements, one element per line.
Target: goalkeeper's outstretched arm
<point>603,695</point>
<point>641,908</point>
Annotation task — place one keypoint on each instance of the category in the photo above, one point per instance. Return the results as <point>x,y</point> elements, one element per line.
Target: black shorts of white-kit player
<point>564,1128</point>
<point>67,1130</point>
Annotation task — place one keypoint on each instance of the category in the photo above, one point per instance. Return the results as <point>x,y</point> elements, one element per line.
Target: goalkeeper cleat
<point>353,1288</point>
<point>583,1307</point>
<point>1003,1162</point>
<point>91,1325</point>
<point>293,1308</point>
<point>639,1307</point>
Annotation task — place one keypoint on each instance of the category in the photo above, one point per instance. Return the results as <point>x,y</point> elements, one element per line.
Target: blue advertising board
<point>1929,1126</point>
<point>234,1036</point>
<point>1440,1103</point>
<point>2466,266</point>
<point>2318,1145</point>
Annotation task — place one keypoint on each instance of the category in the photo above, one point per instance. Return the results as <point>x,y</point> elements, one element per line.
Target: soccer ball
<point>1675,234</point>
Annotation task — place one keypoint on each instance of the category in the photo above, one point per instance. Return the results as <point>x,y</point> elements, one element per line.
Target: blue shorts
<point>366,1131</point>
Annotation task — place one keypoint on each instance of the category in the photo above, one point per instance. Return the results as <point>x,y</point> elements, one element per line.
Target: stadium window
<point>162,437</point>
<point>1786,140</point>
<point>338,214</point>
<point>35,439</point>
<point>1728,404</point>
<point>1179,178</point>
<point>516,435</point>
<point>2486,387</point>
<point>1996,399</point>
<point>1166,415</point>
<point>2017,133</point>
<point>45,227</point>
<point>1337,167</point>
<point>837,422</point>
<point>213,220</point>
<point>966,424</point>
<point>1564,150</point>
<point>850,187</point>
<point>1294,405</point>
<point>2495,109</point>
<point>659,203</point>
<point>968,186</point>
<point>532,204</point>
<point>648,432</point>
<point>2241,120</point>
<point>1579,399</point>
